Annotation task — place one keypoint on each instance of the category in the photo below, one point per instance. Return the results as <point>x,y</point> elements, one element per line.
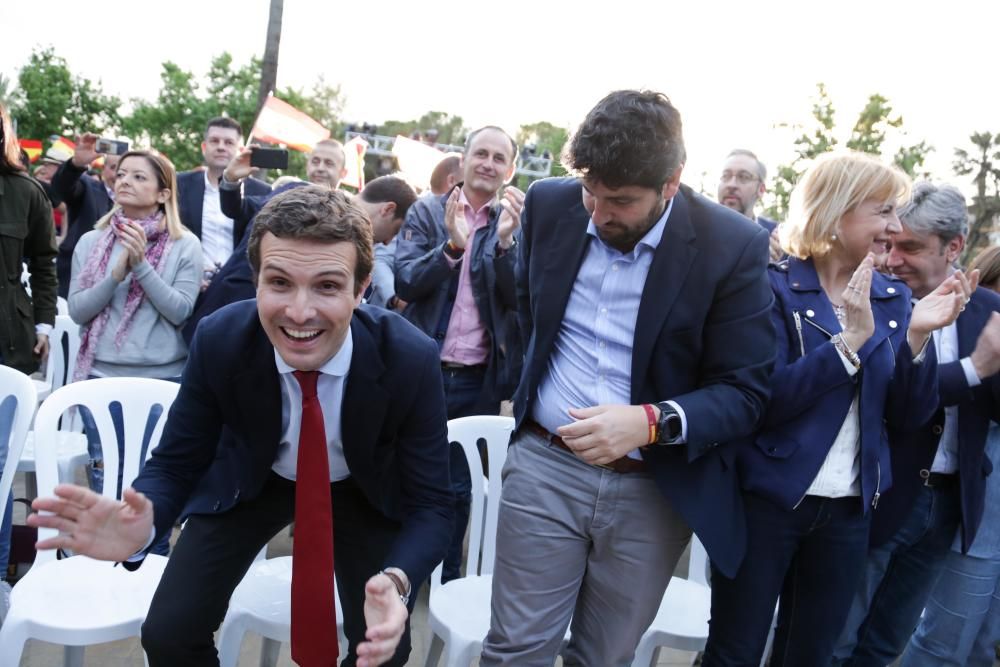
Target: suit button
<point>715,444</point>
<point>772,450</point>
<point>236,496</point>
<point>937,430</point>
<point>218,504</point>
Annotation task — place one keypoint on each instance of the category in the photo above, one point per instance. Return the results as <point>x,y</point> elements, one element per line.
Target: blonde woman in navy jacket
<point>852,356</point>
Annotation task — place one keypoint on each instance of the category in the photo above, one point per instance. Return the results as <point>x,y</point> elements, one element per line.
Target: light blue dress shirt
<point>591,360</point>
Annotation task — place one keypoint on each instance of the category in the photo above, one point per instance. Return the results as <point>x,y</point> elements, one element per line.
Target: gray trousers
<point>581,542</point>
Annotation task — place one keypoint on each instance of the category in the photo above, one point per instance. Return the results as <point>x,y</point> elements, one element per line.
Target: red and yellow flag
<point>33,147</point>
<point>281,123</point>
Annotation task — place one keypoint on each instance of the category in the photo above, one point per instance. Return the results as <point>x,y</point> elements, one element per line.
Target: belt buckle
<point>925,475</point>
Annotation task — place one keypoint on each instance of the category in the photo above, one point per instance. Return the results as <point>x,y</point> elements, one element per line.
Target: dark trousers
<point>214,552</point>
<point>898,578</point>
<point>463,389</point>
<point>812,557</point>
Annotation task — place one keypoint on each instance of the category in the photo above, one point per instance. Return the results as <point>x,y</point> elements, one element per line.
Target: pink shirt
<point>466,341</point>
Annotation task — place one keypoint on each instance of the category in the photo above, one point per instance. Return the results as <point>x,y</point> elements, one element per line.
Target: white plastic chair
<point>18,400</point>
<point>62,306</point>
<point>79,601</point>
<point>682,620</point>
<point>262,604</point>
<point>71,445</point>
<point>459,611</point>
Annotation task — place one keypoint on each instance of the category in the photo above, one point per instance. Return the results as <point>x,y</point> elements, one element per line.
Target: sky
<point>735,70</point>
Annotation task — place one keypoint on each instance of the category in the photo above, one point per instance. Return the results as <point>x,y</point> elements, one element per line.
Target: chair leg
<point>269,650</point>
<point>230,640</point>
<point>645,653</point>
<point>73,656</point>
<point>13,634</point>
<point>434,652</point>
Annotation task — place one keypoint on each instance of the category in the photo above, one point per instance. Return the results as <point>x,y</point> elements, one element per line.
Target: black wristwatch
<point>669,426</point>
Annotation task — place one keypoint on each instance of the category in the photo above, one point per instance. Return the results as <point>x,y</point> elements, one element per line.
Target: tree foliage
<point>49,100</point>
<point>450,129</point>
<point>875,123</point>
<point>983,164</point>
<point>545,138</point>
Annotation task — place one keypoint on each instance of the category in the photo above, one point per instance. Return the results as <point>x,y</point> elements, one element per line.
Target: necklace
<point>840,312</point>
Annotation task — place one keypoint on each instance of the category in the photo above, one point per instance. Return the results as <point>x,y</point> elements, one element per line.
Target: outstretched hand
<point>941,307</point>
<point>92,524</point>
<point>385,618</point>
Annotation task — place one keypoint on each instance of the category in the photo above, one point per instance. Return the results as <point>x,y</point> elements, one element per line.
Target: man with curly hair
<point>645,311</point>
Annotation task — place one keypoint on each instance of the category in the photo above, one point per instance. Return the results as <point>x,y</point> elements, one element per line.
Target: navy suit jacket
<point>914,447</point>
<point>87,201</point>
<point>223,430</point>
<point>703,338</point>
<point>191,198</point>
<point>766,223</point>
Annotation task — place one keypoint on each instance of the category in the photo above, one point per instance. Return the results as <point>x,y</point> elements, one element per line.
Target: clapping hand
<point>92,524</point>
<point>510,218</point>
<point>859,322</point>
<point>454,220</point>
<point>941,307</point>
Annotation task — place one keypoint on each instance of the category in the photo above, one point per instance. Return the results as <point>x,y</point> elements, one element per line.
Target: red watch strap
<point>651,418</point>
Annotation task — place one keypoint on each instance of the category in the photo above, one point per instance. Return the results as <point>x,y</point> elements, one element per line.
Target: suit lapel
<point>365,400</point>
<point>258,390</point>
<point>672,260</point>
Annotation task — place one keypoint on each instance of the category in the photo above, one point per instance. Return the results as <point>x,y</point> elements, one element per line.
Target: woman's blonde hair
<point>166,179</point>
<point>988,263</point>
<point>832,187</point>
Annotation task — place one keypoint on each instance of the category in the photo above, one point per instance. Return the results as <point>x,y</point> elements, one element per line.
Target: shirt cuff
<point>229,185</point>
<point>920,356</point>
<point>684,423</point>
<point>848,365</point>
<point>141,553</point>
<point>46,330</point>
<point>970,373</point>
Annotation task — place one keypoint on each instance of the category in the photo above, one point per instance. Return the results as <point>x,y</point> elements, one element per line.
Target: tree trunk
<point>269,66</point>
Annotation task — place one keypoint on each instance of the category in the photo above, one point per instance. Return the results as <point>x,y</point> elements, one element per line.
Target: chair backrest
<point>62,306</point>
<point>137,396</point>
<point>18,400</point>
<point>62,362</point>
<point>467,431</point>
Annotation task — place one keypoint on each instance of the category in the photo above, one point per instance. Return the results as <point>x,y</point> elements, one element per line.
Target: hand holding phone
<point>111,146</point>
<point>269,158</point>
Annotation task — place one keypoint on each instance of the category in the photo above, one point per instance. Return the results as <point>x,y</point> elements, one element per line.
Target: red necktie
<point>314,615</point>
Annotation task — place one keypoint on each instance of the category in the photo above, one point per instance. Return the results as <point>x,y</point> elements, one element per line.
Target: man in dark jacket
<point>455,270</point>
<point>87,200</point>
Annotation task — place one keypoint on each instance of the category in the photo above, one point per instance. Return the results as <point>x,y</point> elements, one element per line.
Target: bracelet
<point>404,594</point>
<point>651,418</point>
<point>453,250</point>
<point>845,349</point>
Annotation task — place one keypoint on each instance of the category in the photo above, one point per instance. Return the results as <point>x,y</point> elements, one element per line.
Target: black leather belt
<point>939,480</point>
<point>622,465</point>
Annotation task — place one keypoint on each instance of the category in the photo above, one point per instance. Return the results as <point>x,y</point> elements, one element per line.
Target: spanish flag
<point>281,123</point>
<point>33,147</point>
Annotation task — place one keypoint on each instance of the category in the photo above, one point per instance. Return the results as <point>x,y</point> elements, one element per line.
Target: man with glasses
<point>741,185</point>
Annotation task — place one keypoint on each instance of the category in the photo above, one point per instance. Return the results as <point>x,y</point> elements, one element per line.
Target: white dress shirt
<point>330,389</point>
<point>216,228</point>
<point>946,346</point>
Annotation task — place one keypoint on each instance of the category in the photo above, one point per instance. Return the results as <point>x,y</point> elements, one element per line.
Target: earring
<point>833,237</point>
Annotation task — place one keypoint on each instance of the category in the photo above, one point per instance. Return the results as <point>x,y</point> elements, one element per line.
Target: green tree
<point>983,163</point>
<point>874,124</point>
<point>545,137</point>
<point>451,129</point>
<point>49,100</point>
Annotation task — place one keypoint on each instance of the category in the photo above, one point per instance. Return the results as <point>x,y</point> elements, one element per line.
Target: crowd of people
<point>817,400</point>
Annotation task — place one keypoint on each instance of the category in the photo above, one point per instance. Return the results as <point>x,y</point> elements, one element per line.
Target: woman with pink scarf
<point>134,282</point>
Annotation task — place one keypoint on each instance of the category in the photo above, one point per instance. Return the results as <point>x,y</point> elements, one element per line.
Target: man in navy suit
<point>228,457</point>
<point>939,469</point>
<point>649,345</point>
<point>87,200</point>
<point>198,194</point>
<point>742,183</point>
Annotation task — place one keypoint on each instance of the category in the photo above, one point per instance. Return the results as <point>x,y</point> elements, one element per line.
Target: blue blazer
<point>914,447</point>
<point>87,201</point>
<point>222,433</point>
<point>811,391</point>
<point>191,198</point>
<point>703,338</point>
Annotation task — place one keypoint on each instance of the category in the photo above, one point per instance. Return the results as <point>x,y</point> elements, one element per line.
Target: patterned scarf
<point>95,269</point>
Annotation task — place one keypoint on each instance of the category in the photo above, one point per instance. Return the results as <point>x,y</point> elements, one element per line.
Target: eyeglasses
<point>742,177</point>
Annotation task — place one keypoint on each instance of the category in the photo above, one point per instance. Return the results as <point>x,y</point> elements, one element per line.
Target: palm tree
<point>985,164</point>
<point>269,66</point>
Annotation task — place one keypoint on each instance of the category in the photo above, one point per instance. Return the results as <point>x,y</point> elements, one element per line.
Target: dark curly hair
<point>631,137</point>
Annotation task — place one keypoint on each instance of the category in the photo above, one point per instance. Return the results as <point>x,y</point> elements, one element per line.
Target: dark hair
<point>223,122</point>
<point>390,188</point>
<point>475,133</point>
<point>10,149</point>
<point>630,138</point>
<point>315,213</point>
<point>449,164</point>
